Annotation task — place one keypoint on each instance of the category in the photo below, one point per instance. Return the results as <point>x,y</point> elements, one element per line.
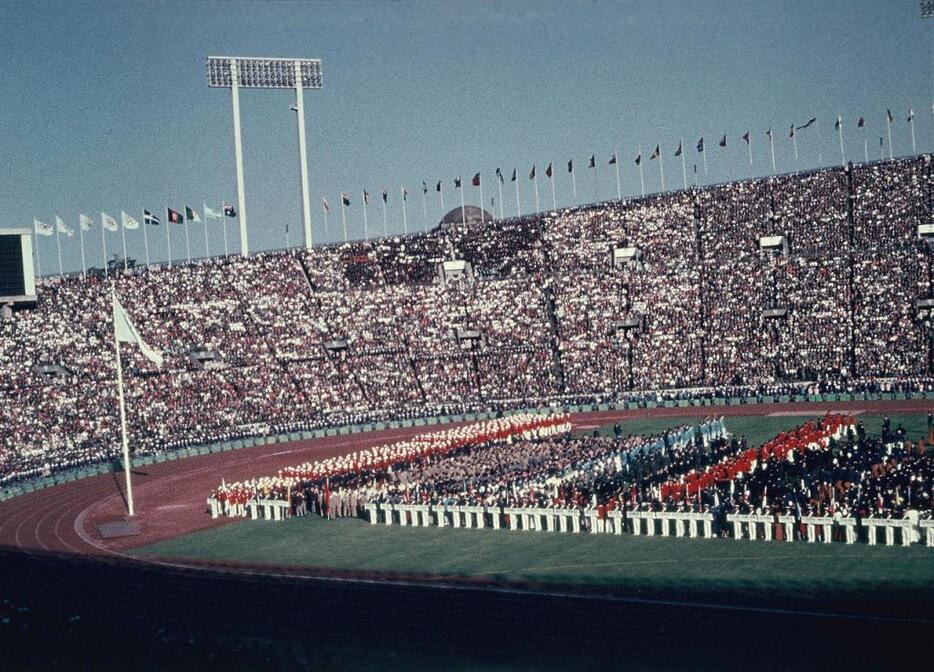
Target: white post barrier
<point>386,508</point>
<point>422,515</point>
<point>513,515</point>
<point>440,515</point>
<point>456,512</point>
<point>497,514</point>
<point>478,512</point>
<point>928,527</point>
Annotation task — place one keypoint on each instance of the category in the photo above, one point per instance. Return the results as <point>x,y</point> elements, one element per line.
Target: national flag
<point>612,160</point>
<point>769,133</point>
<point>513,178</point>
<point>548,171</point>
<point>325,204</point>
<point>838,123</point>
<point>476,180</point>
<point>810,123</point>
<point>128,222</point>
<point>366,196</point>
<point>723,141</point>
<point>345,198</point>
<point>150,219</point>
<point>126,333</point>
<point>532,172</point>
<point>211,213</point>
<point>700,145</point>
<point>593,161</point>
<point>639,159</point>
<point>656,153</point>
<point>229,210</point>
<point>438,186</point>
<point>191,215</point>
<point>881,144</point>
<point>911,114</point>
<point>457,183</point>
<point>791,133</point>
<point>109,222</point>
<point>861,123</point>
<point>174,217</point>
<point>679,151</point>
<point>571,166</point>
<point>405,193</point>
<point>746,137</point>
<point>888,114</point>
<point>499,174</point>
<point>62,227</point>
<point>85,222</point>
<point>385,195</point>
<point>42,228</point>
<point>424,187</point>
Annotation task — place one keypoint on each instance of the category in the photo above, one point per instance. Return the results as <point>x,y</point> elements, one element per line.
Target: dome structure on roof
<point>471,213</point>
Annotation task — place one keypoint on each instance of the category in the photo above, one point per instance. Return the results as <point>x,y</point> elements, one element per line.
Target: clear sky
<point>104,105</point>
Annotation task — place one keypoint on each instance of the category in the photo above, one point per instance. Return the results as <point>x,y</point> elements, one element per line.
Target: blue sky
<point>104,106</point>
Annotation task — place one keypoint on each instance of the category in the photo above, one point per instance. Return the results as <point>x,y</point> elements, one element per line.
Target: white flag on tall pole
<point>125,332</point>
<point>211,213</point>
<point>109,222</point>
<point>128,221</point>
<point>42,228</point>
<point>63,227</point>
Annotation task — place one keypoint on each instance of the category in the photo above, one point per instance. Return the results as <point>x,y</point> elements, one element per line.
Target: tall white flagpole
<point>535,185</point>
<point>204,214</point>
<point>574,183</point>
<point>104,244</point>
<point>385,228</point>
<point>619,184</point>
<point>425,206</point>
<point>661,165</point>
<point>405,219</point>
<point>38,261</point>
<point>705,159</point>
<point>441,192</point>
<point>554,199</point>
<point>518,204</point>
<point>224,224</point>
<point>463,207</point>
<point>794,140</point>
<point>123,236</point>
<point>866,147</point>
<point>840,135</point>
<point>344,217</point>
<point>145,239</point>
<point>911,123</point>
<point>749,147</point>
<point>327,231</point>
<point>366,228</point>
<point>684,170</point>
<point>641,174</point>
<point>888,124</point>
<point>127,467</point>
<point>58,244</point>
<point>772,152</point>
<point>596,188</point>
<point>481,199</point>
<point>185,223</point>
<point>499,185</point>
<point>168,235</point>
<point>84,268</point>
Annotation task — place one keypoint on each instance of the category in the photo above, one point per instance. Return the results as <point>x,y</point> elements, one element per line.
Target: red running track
<point>171,496</point>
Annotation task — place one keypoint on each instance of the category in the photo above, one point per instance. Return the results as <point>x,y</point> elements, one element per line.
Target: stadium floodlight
<point>927,9</point>
<point>234,72</point>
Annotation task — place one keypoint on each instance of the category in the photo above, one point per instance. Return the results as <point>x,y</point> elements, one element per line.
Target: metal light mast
<point>233,72</point>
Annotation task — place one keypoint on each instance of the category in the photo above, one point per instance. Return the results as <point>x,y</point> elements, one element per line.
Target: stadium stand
<point>370,331</point>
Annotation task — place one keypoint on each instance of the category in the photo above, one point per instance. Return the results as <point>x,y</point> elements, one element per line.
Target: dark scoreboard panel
<point>17,278</point>
<point>12,278</point>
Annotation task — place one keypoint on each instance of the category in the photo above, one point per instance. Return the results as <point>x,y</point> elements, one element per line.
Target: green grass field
<point>749,572</point>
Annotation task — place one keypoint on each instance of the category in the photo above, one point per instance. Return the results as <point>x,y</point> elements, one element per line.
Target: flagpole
<point>187,237</point>
<point>619,184</point>
<point>596,190</point>
<point>127,467</point>
<point>104,244</point>
<point>145,239</point>
<point>84,270</point>
<point>518,205</point>
<point>865,146</point>
<point>366,227</point>
<point>554,200</point>
<point>888,125</point>
<point>684,170</point>
<point>344,217</point>
<point>36,236</point>
<point>641,176</point>
<point>168,235</point>
<point>405,220</point>
<point>123,236</point>
<point>911,123</point>
<point>58,244</point>
<point>794,139</point>
<point>749,147</point>
<point>840,135</point>
<point>327,231</point>
<point>224,223</point>
<point>661,165</point>
<point>204,213</point>
<point>704,152</point>
<point>425,205</point>
<point>441,191</point>
<point>535,184</point>
<point>574,183</point>
<point>499,185</point>
<point>481,198</point>
<point>385,230</point>
<point>772,151</point>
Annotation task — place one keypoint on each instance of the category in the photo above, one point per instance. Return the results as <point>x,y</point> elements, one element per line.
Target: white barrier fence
<point>743,527</point>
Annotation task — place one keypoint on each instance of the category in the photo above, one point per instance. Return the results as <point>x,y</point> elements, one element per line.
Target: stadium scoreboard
<point>17,278</point>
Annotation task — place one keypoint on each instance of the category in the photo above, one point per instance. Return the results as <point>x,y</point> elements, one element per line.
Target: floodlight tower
<point>232,72</point>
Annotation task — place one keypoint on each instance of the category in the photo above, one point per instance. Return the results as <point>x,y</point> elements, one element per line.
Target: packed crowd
<point>372,330</point>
